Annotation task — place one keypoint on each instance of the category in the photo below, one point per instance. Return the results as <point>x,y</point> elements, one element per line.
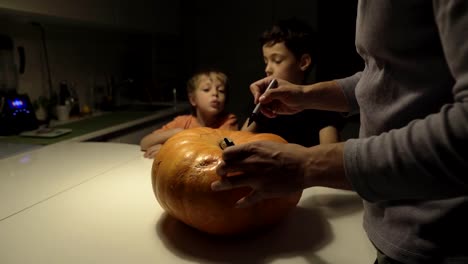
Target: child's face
<point>209,96</point>
<point>281,63</point>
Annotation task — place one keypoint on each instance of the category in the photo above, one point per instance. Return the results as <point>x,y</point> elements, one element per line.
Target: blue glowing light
<point>17,104</point>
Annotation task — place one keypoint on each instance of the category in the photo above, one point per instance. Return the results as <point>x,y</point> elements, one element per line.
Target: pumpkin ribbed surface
<point>183,171</point>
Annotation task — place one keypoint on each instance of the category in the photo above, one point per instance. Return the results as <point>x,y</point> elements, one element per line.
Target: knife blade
<point>254,115</point>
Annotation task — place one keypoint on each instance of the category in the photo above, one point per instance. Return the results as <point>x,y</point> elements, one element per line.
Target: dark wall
<point>336,27</point>
<point>225,34</point>
<point>338,57</point>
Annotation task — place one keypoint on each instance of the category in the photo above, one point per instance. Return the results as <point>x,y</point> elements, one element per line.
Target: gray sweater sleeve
<point>428,158</point>
<point>347,85</point>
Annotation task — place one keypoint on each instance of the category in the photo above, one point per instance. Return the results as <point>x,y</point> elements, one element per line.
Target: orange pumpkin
<point>183,171</point>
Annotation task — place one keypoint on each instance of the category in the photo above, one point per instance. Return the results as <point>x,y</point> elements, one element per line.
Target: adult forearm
<point>424,160</point>
<point>325,167</point>
<point>329,134</point>
<point>326,96</point>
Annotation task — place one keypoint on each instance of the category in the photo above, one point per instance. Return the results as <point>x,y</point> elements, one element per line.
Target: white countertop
<point>9,149</point>
<point>93,202</point>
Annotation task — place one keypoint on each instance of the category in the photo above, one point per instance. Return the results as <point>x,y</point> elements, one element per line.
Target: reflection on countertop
<point>102,124</point>
<point>322,218</point>
<point>9,149</point>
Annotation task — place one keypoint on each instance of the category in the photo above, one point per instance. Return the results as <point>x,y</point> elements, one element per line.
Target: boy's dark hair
<point>297,35</point>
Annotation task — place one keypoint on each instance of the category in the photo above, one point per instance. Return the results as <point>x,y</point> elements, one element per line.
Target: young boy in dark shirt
<point>288,49</point>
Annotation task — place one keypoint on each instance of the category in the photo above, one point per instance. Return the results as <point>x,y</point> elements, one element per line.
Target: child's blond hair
<point>193,81</point>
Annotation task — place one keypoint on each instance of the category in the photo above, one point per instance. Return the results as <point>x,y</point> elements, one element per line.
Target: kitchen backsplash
<point>88,59</point>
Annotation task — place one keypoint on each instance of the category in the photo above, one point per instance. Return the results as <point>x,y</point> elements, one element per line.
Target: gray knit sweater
<point>410,163</point>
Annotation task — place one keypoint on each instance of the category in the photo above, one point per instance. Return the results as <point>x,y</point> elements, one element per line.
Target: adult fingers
<point>239,167</point>
<point>237,152</point>
<point>247,157</point>
<point>223,170</point>
<point>268,112</point>
<point>258,88</point>
<point>227,184</point>
<point>271,95</point>
<point>232,182</point>
<point>249,200</point>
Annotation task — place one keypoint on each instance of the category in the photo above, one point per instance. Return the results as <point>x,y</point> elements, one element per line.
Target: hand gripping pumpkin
<point>183,171</point>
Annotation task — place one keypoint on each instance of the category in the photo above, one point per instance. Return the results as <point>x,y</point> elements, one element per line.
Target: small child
<point>207,92</point>
<point>289,53</point>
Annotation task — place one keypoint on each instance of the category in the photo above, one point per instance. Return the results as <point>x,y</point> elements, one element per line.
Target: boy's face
<point>209,96</point>
<point>281,63</point>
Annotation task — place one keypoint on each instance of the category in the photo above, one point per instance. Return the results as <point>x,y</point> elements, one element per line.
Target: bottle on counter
<point>69,98</point>
<point>64,93</point>
<point>174,97</point>
<point>74,100</point>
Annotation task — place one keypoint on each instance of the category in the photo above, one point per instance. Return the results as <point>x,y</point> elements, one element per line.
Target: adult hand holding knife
<point>286,99</point>
<point>254,115</point>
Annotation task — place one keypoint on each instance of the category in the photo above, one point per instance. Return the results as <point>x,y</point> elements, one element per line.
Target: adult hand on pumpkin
<point>273,169</point>
<point>182,174</point>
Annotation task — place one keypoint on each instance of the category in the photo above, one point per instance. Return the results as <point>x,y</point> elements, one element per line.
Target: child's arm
<point>329,134</point>
<point>158,137</point>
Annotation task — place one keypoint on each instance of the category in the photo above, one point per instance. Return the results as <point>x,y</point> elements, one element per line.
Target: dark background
<point>226,35</point>
<point>159,44</point>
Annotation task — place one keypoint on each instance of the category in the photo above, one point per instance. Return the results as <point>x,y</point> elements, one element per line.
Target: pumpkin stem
<point>226,142</point>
